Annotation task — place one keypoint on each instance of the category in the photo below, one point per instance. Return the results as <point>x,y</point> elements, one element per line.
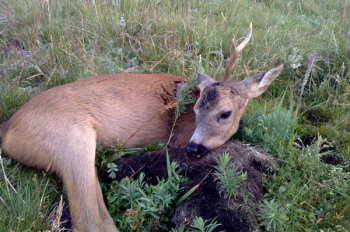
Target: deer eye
<point>225,115</point>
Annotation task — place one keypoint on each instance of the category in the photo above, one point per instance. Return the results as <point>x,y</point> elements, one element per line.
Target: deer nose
<point>195,149</point>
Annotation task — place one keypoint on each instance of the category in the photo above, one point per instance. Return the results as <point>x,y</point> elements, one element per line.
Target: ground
<point>49,43</point>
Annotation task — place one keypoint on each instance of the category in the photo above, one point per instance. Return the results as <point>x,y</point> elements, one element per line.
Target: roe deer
<point>58,130</point>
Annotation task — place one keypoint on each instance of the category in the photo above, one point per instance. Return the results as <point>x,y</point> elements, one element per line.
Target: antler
<point>235,52</point>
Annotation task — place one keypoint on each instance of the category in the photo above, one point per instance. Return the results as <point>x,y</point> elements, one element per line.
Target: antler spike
<point>235,52</point>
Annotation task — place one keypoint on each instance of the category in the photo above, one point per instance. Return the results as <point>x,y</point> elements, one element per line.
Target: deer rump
<point>59,129</point>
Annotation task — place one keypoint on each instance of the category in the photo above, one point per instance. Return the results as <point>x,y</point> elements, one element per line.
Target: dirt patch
<point>239,213</point>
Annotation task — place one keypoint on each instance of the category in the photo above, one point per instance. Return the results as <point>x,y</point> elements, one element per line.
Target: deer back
<point>126,109</point>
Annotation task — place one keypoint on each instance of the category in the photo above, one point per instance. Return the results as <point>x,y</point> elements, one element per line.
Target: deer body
<point>59,129</point>
<point>115,107</point>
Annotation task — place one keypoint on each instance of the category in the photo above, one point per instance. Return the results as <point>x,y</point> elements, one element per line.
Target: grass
<point>63,41</point>
<point>26,199</point>
<point>303,193</point>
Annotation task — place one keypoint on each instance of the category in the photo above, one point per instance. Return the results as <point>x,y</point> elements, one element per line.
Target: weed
<point>198,225</point>
<point>146,206</point>
<point>273,216</point>
<point>227,174</point>
<point>273,130</point>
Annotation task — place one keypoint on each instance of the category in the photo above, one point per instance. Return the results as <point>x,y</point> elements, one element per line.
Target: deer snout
<point>196,150</point>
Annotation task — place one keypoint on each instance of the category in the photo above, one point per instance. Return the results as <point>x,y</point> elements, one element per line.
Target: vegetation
<point>198,225</point>
<point>227,175</point>
<point>303,193</point>
<point>49,43</point>
<point>137,206</point>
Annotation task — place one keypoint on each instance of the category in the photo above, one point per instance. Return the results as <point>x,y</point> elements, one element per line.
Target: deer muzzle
<point>196,150</point>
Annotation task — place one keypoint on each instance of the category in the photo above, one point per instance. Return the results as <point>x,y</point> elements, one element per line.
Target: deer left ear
<point>256,85</point>
<point>204,80</point>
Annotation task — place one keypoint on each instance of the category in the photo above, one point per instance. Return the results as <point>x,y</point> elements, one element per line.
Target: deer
<point>59,129</point>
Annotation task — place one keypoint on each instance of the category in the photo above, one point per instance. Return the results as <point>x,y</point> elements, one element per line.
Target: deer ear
<point>256,85</point>
<point>203,80</point>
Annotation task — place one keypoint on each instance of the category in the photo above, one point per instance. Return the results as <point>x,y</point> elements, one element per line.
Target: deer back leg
<point>76,166</point>
<point>104,214</point>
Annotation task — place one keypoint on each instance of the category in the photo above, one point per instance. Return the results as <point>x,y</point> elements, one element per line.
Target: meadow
<point>303,120</point>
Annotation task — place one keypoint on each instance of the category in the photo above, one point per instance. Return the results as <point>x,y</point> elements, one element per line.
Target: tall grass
<point>60,41</point>
<point>26,199</point>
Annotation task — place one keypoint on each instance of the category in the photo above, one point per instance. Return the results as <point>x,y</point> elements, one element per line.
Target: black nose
<point>195,148</point>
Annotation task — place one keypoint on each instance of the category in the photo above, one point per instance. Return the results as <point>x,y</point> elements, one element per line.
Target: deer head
<point>221,105</point>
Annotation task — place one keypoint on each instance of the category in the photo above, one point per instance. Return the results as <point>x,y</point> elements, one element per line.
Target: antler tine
<point>235,52</point>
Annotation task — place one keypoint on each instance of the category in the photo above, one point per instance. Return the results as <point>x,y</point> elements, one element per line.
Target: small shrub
<point>138,206</point>
<point>274,131</point>
<point>273,216</point>
<point>198,225</point>
<point>227,174</point>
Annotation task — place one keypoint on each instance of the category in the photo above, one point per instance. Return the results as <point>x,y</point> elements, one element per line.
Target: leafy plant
<point>273,216</point>
<point>146,206</point>
<point>274,131</point>
<point>111,170</point>
<point>199,225</point>
<point>227,174</point>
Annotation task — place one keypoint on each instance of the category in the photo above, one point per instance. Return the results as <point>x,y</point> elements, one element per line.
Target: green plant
<point>228,176</point>
<point>146,206</point>
<point>274,130</point>
<point>306,194</point>
<point>198,225</point>
<point>273,216</point>
<point>201,225</point>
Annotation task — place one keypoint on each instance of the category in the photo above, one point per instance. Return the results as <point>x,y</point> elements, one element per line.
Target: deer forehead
<point>217,97</point>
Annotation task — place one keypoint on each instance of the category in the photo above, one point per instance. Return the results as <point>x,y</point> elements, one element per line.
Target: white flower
<point>295,59</point>
<point>122,23</point>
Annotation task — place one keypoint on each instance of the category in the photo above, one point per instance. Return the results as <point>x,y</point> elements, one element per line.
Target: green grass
<point>26,199</point>
<point>65,40</point>
<point>303,193</point>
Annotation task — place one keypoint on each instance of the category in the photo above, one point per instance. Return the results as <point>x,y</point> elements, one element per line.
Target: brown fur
<point>59,129</point>
<point>228,96</point>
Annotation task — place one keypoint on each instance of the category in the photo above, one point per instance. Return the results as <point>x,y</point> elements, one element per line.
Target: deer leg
<point>80,184</point>
<point>76,165</point>
<point>108,222</point>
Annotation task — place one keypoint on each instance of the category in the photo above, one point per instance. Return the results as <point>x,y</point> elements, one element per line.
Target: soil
<point>239,213</point>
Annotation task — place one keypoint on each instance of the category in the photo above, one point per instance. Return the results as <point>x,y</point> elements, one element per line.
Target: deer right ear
<point>203,80</point>
<point>256,85</point>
